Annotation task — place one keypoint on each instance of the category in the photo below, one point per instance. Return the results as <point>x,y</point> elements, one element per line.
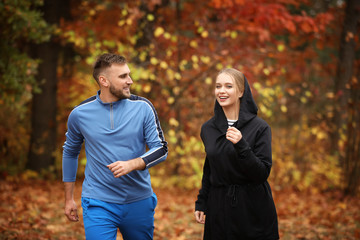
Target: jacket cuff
<point>200,207</point>
<point>242,145</point>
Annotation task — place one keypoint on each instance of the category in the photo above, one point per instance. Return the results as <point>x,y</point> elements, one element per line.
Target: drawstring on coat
<point>232,192</point>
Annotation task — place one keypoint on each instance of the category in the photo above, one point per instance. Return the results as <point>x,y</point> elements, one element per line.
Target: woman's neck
<point>232,113</point>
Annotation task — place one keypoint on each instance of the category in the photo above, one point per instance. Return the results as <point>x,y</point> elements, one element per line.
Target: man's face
<point>120,81</point>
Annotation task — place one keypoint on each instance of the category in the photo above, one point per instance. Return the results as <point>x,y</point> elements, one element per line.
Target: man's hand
<point>121,168</point>
<point>70,205</point>
<point>71,211</point>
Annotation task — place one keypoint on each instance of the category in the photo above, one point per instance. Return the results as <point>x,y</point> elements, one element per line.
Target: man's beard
<point>118,92</point>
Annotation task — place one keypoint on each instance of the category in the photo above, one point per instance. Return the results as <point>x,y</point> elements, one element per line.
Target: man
<point>116,127</point>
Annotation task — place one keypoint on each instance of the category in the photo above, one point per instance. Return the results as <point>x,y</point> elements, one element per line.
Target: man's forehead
<point>120,68</point>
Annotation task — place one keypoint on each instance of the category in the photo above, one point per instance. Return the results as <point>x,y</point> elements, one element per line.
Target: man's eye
<point>123,76</point>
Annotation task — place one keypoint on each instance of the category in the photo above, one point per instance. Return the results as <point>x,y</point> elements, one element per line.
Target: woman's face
<point>226,92</point>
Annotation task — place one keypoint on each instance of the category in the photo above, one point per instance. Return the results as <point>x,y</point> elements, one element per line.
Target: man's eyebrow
<point>124,74</point>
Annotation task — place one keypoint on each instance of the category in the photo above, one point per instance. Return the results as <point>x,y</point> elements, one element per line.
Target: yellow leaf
<point>150,17</point>
<point>163,65</point>
<point>171,133</point>
<point>167,35</point>
<point>173,122</point>
<point>152,76</point>
<point>147,88</point>
<point>153,61</point>
<point>129,21</point>
<point>193,44</point>
<point>194,58</point>
<point>257,85</point>
<point>330,95</point>
<point>205,34</point>
<point>208,81</point>
<point>158,31</point>
<point>177,76</point>
<point>170,74</point>
<point>171,100</point>
<point>266,71</point>
<point>280,47</point>
<point>92,12</point>
<point>176,90</point>
<point>219,66</point>
<point>233,35</point>
<point>121,23</point>
<point>169,53</point>
<point>205,59</point>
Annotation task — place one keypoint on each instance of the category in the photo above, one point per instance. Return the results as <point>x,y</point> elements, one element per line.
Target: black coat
<point>235,194</point>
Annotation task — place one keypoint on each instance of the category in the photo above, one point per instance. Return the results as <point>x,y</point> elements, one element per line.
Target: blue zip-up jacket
<point>117,131</point>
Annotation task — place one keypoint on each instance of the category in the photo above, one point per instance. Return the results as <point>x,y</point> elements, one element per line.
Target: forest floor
<point>33,209</point>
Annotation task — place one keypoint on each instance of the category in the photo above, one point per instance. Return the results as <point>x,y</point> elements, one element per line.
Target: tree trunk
<point>43,119</point>
<point>344,72</point>
<point>346,106</point>
<point>352,147</point>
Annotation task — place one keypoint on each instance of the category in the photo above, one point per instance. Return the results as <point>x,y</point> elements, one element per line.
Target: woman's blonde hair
<point>238,77</point>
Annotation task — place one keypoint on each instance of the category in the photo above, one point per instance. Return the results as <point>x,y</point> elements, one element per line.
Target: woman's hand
<point>200,217</point>
<point>233,135</point>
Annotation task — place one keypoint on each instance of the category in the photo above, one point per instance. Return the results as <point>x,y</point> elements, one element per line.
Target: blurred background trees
<point>301,58</point>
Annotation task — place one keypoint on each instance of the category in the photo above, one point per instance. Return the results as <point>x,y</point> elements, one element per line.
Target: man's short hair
<point>105,61</point>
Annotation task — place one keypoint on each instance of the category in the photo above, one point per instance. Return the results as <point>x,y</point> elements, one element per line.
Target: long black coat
<point>235,194</point>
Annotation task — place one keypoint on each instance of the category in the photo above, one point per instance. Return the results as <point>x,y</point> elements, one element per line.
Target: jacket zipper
<point>111,116</point>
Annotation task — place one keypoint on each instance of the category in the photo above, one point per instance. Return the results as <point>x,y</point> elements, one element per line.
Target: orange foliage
<point>176,48</point>
<point>33,209</point>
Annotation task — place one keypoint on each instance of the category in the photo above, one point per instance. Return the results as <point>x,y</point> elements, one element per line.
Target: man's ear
<point>103,81</point>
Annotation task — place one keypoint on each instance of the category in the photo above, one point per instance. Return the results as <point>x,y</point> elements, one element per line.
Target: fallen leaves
<point>34,210</point>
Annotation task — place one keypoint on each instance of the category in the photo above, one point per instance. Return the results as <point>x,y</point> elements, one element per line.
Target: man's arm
<point>154,138</point>
<point>70,205</point>
<point>121,168</point>
<point>71,150</point>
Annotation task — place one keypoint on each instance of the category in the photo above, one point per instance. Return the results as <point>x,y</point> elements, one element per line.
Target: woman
<point>235,195</point>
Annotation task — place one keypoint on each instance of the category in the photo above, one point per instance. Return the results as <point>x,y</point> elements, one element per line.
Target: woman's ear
<point>241,94</point>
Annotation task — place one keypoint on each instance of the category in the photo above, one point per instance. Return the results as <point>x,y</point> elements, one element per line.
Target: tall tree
<point>22,24</point>
<point>43,119</point>
<point>345,98</point>
<point>352,148</point>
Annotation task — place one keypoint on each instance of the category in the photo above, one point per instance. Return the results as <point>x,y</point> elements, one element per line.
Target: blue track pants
<point>134,220</point>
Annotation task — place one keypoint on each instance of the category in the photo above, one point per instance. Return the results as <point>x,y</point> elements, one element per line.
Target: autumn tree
<point>22,24</point>
<point>176,48</point>
<point>345,135</point>
<point>43,115</point>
